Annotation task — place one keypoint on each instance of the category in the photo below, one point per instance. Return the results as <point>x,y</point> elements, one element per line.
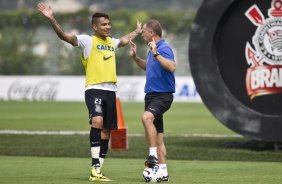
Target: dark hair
<point>155,26</point>
<point>96,16</point>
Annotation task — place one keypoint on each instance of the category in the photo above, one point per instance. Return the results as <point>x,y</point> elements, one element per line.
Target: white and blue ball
<point>153,174</point>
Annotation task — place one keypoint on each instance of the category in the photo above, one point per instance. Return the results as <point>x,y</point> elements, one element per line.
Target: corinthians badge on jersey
<point>264,54</point>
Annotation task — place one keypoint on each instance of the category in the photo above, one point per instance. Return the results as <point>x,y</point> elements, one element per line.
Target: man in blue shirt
<point>159,88</point>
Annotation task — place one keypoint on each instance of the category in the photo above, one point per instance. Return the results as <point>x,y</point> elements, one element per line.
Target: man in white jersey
<point>98,58</point>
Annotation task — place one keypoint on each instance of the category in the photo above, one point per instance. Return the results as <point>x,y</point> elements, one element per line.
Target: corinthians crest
<point>264,55</point>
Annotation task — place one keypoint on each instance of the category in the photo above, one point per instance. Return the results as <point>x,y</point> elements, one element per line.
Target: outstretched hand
<point>138,26</point>
<point>46,11</point>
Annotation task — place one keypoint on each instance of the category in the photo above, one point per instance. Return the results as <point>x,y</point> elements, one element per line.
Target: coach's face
<point>147,34</point>
<point>102,28</point>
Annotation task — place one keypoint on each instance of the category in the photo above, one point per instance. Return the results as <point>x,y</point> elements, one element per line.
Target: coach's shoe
<point>151,161</point>
<point>97,175</point>
<point>165,178</point>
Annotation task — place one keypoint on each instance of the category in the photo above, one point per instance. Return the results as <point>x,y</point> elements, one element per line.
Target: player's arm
<point>48,12</point>
<point>133,52</point>
<point>126,38</point>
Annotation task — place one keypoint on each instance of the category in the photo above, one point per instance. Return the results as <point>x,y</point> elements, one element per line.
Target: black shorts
<point>102,103</point>
<point>158,104</point>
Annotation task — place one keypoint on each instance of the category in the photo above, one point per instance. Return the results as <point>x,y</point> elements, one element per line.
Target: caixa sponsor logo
<point>41,91</point>
<point>264,75</point>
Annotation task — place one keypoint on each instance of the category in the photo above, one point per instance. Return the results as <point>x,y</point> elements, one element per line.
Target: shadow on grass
<point>178,148</point>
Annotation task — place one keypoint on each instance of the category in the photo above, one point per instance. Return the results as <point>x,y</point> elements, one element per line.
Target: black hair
<point>95,17</point>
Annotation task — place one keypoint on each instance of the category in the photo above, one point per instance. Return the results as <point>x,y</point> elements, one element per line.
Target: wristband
<point>156,54</point>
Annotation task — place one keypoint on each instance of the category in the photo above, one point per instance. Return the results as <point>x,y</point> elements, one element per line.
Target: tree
<point>16,53</point>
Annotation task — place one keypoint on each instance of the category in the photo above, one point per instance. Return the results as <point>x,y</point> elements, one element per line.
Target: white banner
<point>71,88</point>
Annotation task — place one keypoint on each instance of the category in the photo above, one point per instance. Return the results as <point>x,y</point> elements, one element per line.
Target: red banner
<point>263,80</point>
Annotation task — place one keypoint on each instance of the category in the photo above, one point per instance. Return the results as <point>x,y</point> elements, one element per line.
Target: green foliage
<point>16,54</point>
<point>18,59</point>
<point>69,61</point>
<point>123,20</point>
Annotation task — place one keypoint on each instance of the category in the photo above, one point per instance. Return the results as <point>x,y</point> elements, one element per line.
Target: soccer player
<point>159,88</point>
<point>99,61</point>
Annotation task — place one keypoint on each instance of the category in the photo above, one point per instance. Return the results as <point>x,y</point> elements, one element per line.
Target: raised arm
<point>133,52</point>
<point>126,38</point>
<point>48,13</point>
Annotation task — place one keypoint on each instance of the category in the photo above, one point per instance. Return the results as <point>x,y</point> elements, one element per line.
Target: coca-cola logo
<point>41,91</point>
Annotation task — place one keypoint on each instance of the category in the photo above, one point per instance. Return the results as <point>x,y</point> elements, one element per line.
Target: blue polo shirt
<point>159,80</point>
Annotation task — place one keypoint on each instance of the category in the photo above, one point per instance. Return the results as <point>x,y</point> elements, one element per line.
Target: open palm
<point>47,11</point>
<point>138,26</point>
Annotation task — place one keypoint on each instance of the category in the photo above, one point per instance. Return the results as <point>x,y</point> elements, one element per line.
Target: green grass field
<point>64,159</point>
<point>183,118</point>
<point>34,170</point>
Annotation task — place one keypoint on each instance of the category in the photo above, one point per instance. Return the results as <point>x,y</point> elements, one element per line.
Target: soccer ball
<point>153,174</point>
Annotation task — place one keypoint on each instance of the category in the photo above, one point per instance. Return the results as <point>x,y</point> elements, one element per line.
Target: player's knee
<point>147,117</point>
<point>97,122</point>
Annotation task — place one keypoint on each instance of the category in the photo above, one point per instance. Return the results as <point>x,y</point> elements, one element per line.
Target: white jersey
<point>85,43</point>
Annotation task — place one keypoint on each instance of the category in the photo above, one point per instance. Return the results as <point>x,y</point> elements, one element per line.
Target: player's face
<point>103,27</point>
<point>147,34</point>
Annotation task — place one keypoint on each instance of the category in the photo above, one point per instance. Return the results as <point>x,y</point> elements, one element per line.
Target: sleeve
<point>116,42</point>
<point>167,52</point>
<point>85,43</point>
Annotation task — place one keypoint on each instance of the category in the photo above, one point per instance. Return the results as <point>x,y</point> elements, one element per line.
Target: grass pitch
<point>34,170</point>
<point>182,118</point>
<point>58,159</point>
